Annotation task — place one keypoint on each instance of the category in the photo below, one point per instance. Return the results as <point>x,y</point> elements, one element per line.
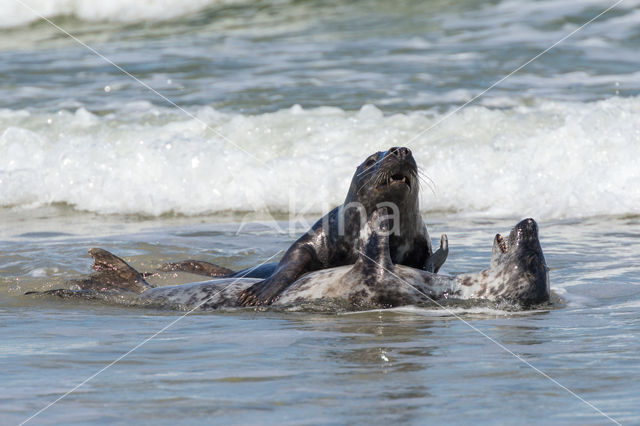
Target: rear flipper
<point>199,267</point>
<point>112,275</point>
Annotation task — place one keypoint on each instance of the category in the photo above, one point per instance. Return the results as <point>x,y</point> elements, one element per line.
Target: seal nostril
<point>400,152</point>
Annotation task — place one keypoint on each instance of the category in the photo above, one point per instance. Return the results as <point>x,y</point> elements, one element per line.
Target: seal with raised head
<point>388,178</point>
<point>517,274</point>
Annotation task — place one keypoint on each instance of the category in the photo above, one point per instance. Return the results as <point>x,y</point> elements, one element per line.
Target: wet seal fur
<point>517,274</point>
<point>385,178</point>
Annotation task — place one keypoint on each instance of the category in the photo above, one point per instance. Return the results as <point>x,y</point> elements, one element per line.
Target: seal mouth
<point>502,243</point>
<point>396,179</point>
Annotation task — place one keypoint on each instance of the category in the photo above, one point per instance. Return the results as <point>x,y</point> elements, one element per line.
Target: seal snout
<point>524,236</point>
<point>400,152</point>
<point>526,228</point>
<point>397,168</point>
<point>526,231</point>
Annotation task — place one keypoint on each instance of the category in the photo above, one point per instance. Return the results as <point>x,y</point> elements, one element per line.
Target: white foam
<point>13,13</point>
<point>550,160</point>
<point>450,311</point>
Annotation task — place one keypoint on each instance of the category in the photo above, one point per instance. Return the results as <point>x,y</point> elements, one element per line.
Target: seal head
<point>389,177</point>
<point>519,259</point>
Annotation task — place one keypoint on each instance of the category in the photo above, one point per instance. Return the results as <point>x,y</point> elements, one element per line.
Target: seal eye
<point>370,162</point>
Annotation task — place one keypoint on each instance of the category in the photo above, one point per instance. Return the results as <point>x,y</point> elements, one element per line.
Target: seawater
<point>279,101</point>
<point>410,365</point>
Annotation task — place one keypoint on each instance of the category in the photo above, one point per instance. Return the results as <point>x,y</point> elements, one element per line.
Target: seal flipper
<point>437,259</point>
<point>295,263</point>
<point>374,255</point>
<point>112,273</point>
<point>199,267</point>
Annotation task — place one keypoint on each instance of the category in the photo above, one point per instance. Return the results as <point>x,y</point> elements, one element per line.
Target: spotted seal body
<point>385,178</point>
<point>517,273</point>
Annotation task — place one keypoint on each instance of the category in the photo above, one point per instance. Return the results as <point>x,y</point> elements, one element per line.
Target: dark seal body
<point>384,179</point>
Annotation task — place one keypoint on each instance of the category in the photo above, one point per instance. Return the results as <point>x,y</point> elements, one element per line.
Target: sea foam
<point>546,160</point>
<point>14,13</point>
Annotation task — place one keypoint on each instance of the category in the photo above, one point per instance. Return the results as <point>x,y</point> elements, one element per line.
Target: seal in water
<point>517,274</point>
<point>384,178</point>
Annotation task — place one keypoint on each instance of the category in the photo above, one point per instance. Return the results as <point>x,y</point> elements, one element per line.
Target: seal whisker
<point>382,178</point>
<point>371,171</point>
<point>372,167</point>
<point>430,183</point>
